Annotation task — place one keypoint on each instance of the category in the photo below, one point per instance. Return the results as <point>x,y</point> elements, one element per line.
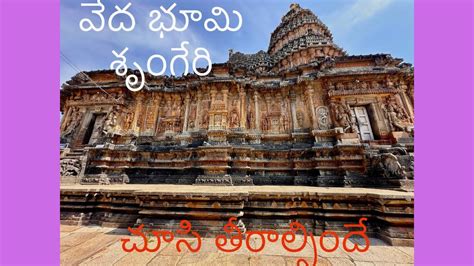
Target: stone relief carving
<point>285,122</point>
<point>70,167</point>
<point>322,113</point>
<point>127,119</point>
<point>264,122</point>
<point>396,115</point>
<point>300,118</point>
<point>234,119</point>
<point>110,122</point>
<point>251,118</point>
<point>343,117</point>
<point>360,87</point>
<point>72,123</point>
<point>386,165</point>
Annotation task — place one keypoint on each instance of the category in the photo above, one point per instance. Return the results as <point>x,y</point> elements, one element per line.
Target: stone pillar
<point>309,94</point>
<point>148,121</point>
<point>257,111</point>
<point>186,113</point>
<point>213,93</point>
<point>157,113</point>
<point>224,121</point>
<point>293,111</point>
<point>197,124</point>
<point>243,111</point>
<point>138,108</point>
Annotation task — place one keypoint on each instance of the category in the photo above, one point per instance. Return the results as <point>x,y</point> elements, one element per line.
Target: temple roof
<point>300,34</point>
<point>301,21</point>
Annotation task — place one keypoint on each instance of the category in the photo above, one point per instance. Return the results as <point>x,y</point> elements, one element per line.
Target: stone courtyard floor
<point>93,245</point>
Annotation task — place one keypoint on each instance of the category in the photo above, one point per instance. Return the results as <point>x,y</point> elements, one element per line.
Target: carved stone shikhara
<point>304,112</point>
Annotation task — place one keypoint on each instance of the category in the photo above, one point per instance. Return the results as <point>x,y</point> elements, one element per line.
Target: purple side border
<point>444,132</point>
<point>29,150</point>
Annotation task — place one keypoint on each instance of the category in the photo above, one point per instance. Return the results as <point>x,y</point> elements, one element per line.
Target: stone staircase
<point>74,153</point>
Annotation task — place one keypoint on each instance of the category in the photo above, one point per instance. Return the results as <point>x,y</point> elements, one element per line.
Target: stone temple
<point>303,113</point>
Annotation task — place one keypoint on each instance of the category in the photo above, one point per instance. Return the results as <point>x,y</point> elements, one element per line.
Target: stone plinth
<point>389,213</point>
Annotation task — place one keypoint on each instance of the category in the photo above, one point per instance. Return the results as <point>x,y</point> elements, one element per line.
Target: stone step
<point>69,180</point>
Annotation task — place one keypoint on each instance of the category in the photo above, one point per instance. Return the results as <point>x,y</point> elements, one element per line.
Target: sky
<point>358,26</point>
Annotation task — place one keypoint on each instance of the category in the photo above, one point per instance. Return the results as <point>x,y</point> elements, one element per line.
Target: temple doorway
<point>94,129</point>
<point>90,129</point>
<point>363,122</point>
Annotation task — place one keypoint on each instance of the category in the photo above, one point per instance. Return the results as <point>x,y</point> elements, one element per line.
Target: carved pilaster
<point>257,111</point>
<point>224,121</point>
<point>157,112</point>
<point>186,112</point>
<point>138,107</point>
<point>198,110</point>
<point>293,110</point>
<point>309,95</point>
<point>243,110</point>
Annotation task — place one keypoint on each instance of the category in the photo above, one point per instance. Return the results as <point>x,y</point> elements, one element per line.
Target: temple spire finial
<point>294,6</point>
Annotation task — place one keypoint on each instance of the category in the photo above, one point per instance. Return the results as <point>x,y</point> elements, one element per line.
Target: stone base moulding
<point>390,213</point>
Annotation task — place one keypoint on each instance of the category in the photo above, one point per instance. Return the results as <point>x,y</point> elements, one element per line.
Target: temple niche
<point>304,112</point>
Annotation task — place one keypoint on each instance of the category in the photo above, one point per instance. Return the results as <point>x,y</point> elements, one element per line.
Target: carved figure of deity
<point>264,123</point>
<point>128,120</point>
<point>72,123</point>
<point>395,114</point>
<point>300,118</point>
<point>331,86</point>
<point>323,117</point>
<point>234,119</point>
<point>250,119</point>
<point>110,122</point>
<point>394,117</point>
<point>342,117</point>
<point>285,122</point>
<point>204,120</point>
<point>374,84</point>
<point>235,102</point>
<point>339,86</point>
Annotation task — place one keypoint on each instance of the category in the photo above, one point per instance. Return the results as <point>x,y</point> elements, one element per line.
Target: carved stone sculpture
<point>72,124</point>
<point>395,115</point>
<point>342,117</point>
<point>110,122</point>
<point>70,167</point>
<point>387,165</point>
<point>323,117</point>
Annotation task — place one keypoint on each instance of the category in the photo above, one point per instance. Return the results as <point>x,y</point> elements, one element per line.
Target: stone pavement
<point>92,245</point>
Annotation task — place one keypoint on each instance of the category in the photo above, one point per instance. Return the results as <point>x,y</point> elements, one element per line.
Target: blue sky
<point>358,26</point>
